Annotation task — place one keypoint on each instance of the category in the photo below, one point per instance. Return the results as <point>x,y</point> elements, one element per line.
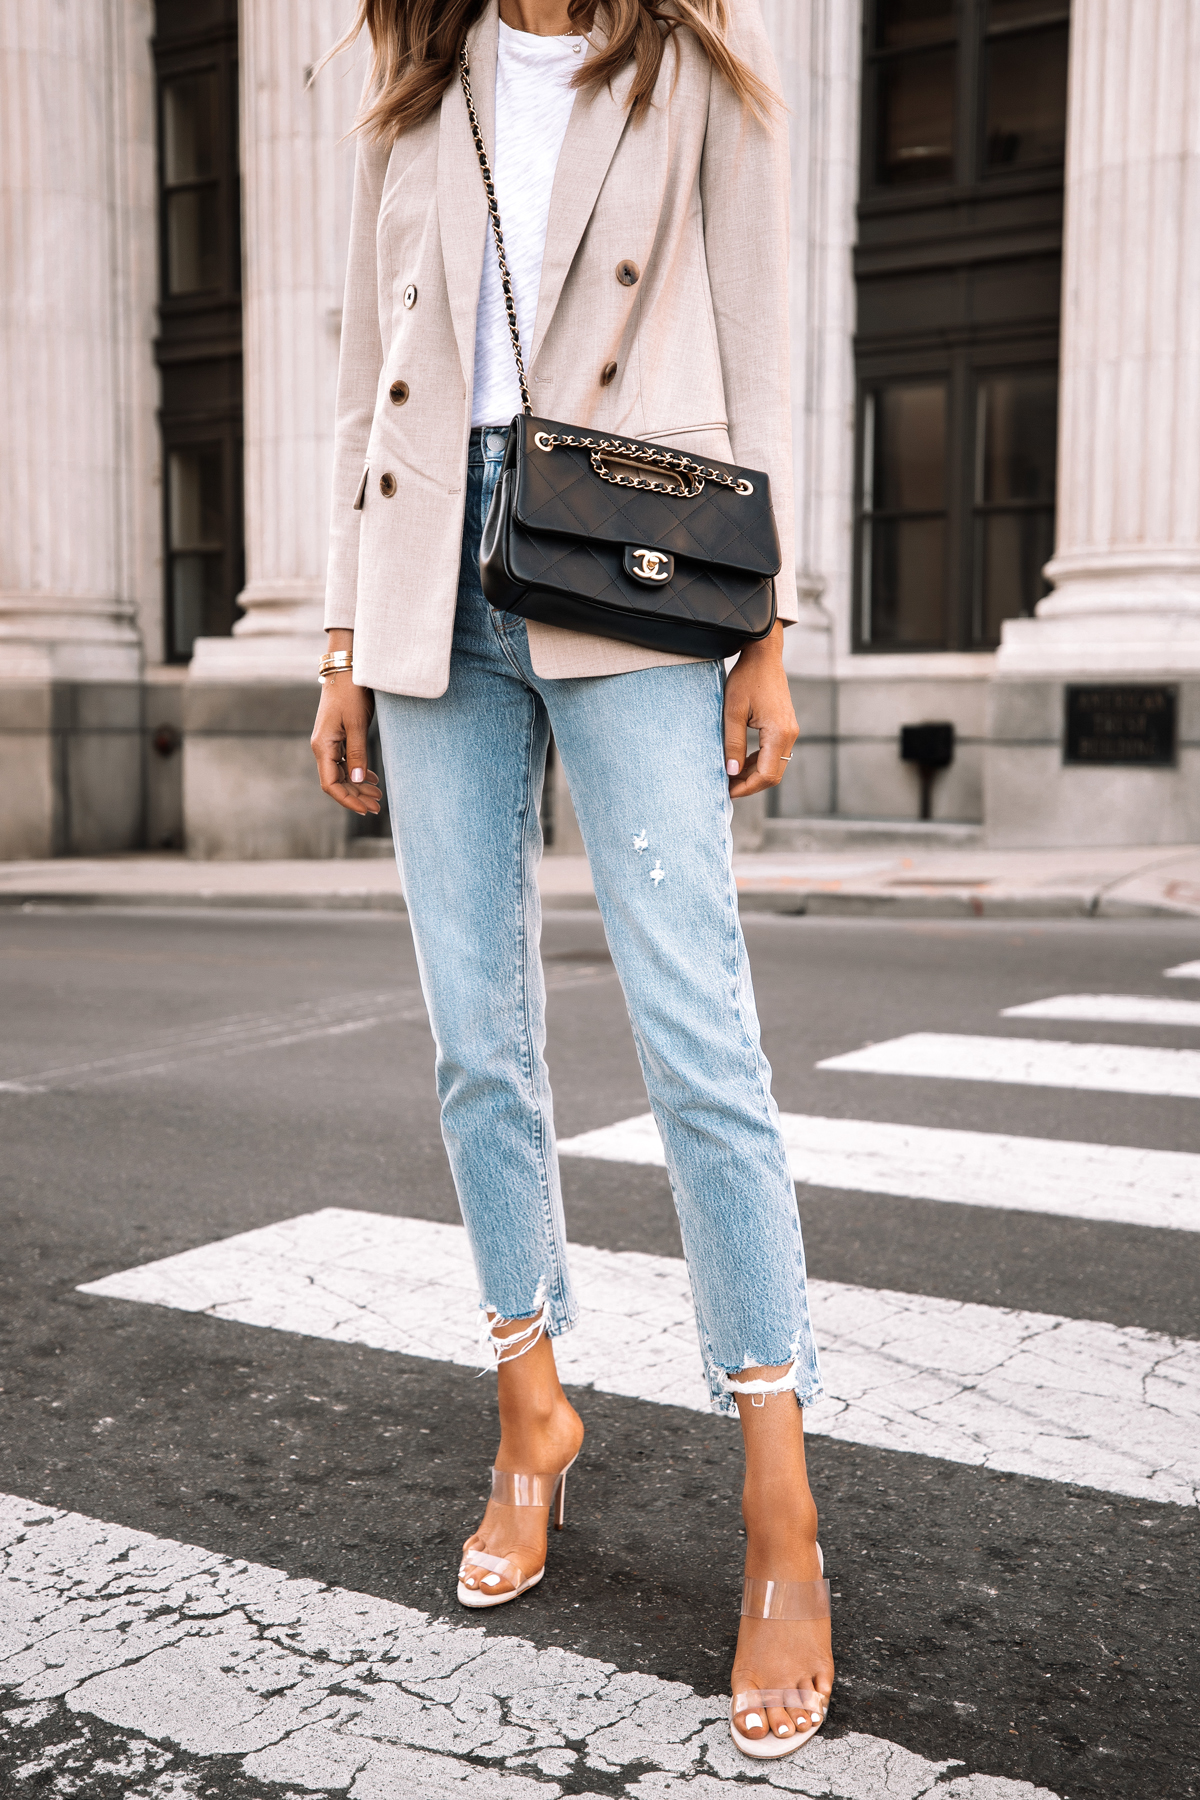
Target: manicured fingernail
<point>732,767</point>
<point>356,774</point>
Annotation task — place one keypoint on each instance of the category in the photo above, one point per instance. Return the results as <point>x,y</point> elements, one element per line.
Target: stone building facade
<point>996,366</point>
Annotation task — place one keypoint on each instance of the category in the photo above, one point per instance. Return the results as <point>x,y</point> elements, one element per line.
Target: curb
<point>846,904</point>
<point>204,901</point>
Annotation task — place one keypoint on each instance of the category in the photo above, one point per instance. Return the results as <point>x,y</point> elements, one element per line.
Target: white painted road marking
<point>1110,1009</point>
<point>1188,969</point>
<point>1064,1399</point>
<point>324,1688</point>
<point>1036,1062</point>
<point>1113,1183</point>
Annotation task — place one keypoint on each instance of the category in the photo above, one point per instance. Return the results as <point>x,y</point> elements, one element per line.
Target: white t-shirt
<point>534,98</point>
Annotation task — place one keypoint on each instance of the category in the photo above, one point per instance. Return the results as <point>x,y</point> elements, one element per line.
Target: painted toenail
<point>491,1581</point>
<point>815,1717</point>
<point>783,1730</point>
<point>753,1722</point>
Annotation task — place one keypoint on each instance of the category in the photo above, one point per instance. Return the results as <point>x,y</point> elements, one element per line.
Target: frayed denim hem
<point>801,1376</point>
<point>725,1404</point>
<point>543,1322</point>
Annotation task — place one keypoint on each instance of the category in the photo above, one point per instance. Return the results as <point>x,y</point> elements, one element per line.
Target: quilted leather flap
<point>559,492</point>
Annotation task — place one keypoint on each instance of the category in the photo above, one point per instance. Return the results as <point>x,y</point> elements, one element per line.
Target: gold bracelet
<point>333,663</point>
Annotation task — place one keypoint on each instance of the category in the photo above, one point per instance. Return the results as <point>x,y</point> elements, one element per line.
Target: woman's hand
<point>339,739</point>
<point>757,696</point>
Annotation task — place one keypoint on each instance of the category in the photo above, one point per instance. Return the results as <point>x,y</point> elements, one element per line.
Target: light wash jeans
<point>644,757</point>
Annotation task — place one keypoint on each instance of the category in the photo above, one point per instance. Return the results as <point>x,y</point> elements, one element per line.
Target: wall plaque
<point>1132,725</point>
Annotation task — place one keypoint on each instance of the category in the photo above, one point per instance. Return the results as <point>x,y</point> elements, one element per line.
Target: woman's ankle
<point>779,1508</point>
<point>526,1427</point>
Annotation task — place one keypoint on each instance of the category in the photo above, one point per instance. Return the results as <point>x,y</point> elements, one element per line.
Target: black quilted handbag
<point>619,537</point>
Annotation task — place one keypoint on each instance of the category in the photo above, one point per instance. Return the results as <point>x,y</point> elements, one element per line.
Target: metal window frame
<point>968,229</point>
<point>199,346</point>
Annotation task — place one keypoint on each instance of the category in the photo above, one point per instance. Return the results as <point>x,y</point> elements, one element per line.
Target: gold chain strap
<point>693,474</point>
<point>510,305</point>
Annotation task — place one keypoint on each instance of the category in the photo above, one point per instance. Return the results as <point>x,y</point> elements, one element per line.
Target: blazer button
<point>410,296</point>
<point>608,374</point>
<point>628,274</point>
<point>387,486</point>
<point>398,393</point>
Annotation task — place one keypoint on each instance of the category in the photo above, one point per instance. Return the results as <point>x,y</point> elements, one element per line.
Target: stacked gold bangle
<point>333,662</point>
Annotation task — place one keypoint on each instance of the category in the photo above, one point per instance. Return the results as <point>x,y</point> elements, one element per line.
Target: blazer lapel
<point>598,119</point>
<point>462,204</point>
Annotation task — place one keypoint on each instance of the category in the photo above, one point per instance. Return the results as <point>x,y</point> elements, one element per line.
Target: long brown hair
<point>415,46</point>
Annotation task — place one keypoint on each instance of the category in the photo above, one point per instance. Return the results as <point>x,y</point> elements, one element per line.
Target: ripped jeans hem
<point>726,1406</point>
<point>543,1322</point>
<point>724,1385</point>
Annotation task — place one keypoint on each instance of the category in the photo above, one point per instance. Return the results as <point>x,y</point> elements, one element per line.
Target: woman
<point>640,162</point>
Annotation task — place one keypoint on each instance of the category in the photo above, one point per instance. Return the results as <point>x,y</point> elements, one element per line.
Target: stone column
<point>79,508</point>
<point>251,697</point>
<point>1126,570</point>
<point>817,44</point>
<point>297,172</point>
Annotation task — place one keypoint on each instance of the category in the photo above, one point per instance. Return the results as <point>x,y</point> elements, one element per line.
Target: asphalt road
<point>1027,1628</point>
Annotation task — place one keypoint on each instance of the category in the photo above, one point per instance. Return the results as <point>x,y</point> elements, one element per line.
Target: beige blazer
<point>696,196</point>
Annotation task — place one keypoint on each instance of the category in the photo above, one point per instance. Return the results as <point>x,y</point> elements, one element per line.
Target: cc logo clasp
<point>650,565</point>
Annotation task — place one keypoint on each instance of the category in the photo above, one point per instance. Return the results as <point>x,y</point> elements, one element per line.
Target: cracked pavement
<point>1116,1409</point>
<point>342,1694</point>
<point>289,1506</point>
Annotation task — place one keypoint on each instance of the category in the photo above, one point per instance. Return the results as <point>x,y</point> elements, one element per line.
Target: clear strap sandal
<point>794,1601</point>
<point>511,1490</point>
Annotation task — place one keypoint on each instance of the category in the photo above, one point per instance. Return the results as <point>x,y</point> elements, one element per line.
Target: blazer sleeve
<point>745,191</point>
<point>359,365</point>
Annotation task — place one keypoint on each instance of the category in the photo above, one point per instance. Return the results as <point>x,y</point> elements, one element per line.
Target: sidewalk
<point>1158,881</point>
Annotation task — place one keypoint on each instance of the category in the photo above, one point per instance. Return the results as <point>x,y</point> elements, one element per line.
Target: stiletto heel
<point>793,1601</point>
<point>512,1490</point>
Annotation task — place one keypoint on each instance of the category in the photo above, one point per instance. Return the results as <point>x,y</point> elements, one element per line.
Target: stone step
<point>831,834</point>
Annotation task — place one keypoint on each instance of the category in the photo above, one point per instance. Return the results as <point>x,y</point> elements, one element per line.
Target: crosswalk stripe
<point>326,1688</point>
<point>1110,1009</point>
<point>1112,1183</point>
<point>1187,969</point>
<point>1064,1399</point>
<point>1037,1062</point>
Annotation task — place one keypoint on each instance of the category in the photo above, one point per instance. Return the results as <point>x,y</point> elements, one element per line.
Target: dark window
<point>902,23</point>
<point>191,184</point>
<point>959,270</point>
<point>916,118</point>
<point>1025,103</point>
<point>200,341</point>
<point>1016,437</point>
<point>955,93</point>
<point>916,71</point>
<point>904,514</point>
<point>196,517</point>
